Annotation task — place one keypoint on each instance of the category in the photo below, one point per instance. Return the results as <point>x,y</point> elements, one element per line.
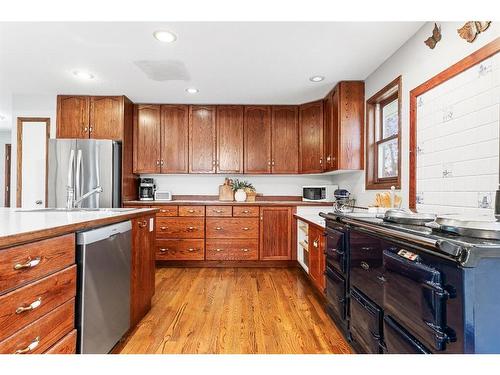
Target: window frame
<point>374,134</point>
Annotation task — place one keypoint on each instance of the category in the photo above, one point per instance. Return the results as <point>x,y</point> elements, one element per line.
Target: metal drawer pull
<point>218,228</point>
<point>191,211</point>
<point>218,211</point>
<point>30,347</point>
<point>245,228</point>
<point>143,224</point>
<point>163,250</point>
<point>316,243</point>
<point>163,228</point>
<point>365,266</point>
<point>163,211</point>
<point>246,212</point>
<point>190,228</point>
<point>191,250</point>
<point>30,307</point>
<point>244,250</point>
<point>30,263</point>
<point>367,248</point>
<point>382,278</point>
<point>219,250</point>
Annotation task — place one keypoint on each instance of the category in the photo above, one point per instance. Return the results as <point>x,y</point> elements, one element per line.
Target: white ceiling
<point>228,62</point>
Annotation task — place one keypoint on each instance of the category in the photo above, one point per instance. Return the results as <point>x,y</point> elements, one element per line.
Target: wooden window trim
<point>386,95</point>
<point>467,62</point>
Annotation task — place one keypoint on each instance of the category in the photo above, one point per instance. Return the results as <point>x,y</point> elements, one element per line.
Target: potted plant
<point>241,188</point>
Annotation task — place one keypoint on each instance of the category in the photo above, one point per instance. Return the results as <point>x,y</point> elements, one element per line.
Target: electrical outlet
<point>484,200</point>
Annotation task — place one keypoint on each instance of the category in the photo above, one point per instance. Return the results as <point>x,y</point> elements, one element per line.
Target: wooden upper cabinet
<point>147,139</point>
<point>344,124</point>
<point>229,139</point>
<point>106,117</point>
<point>202,133</point>
<point>72,116</point>
<point>257,139</point>
<point>174,139</point>
<point>351,113</point>
<point>276,233</point>
<point>285,139</point>
<point>311,137</point>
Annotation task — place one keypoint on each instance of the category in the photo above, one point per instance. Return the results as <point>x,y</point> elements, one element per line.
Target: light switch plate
<point>151,224</point>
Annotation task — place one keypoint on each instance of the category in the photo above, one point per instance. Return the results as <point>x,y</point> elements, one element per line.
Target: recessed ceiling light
<point>192,90</point>
<point>165,36</point>
<point>83,75</point>
<point>316,78</point>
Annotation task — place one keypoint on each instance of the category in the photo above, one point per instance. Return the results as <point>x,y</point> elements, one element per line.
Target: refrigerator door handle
<point>70,190</point>
<point>97,173</point>
<point>78,174</point>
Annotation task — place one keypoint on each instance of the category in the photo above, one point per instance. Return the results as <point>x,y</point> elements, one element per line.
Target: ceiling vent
<point>163,70</point>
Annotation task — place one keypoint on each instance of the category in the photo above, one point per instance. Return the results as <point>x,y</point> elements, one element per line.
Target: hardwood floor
<point>235,310</point>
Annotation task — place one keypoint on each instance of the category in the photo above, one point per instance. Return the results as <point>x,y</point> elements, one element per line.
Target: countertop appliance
<point>103,299</point>
<point>318,193</point>
<point>416,289</point>
<point>147,189</point>
<point>343,202</point>
<point>162,195</point>
<point>84,173</point>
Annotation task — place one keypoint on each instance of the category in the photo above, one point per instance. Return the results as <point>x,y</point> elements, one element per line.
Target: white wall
<point>209,185</point>
<point>416,63</point>
<point>4,139</point>
<point>29,106</point>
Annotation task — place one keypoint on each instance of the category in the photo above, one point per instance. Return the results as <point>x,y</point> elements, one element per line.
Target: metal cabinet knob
<point>365,266</point>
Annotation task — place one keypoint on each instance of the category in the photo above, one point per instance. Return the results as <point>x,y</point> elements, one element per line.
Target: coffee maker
<point>147,189</point>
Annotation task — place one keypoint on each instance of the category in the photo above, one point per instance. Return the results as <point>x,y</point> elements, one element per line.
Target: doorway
<point>32,144</point>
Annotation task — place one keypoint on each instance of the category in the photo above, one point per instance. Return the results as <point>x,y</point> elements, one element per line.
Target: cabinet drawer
<point>180,249</point>
<point>67,345</point>
<point>25,263</point>
<point>43,333</point>
<point>245,211</point>
<point>180,227</point>
<point>219,211</point>
<point>233,249</point>
<point>25,305</point>
<point>191,210</point>
<point>232,228</point>
<point>167,211</point>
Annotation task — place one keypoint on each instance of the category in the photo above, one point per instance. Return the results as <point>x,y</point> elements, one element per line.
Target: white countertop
<point>16,222</point>
<point>316,219</point>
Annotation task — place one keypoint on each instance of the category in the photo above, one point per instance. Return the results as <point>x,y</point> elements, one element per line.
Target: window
<point>383,159</point>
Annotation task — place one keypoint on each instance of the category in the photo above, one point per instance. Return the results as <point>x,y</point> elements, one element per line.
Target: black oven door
<point>336,294</point>
<point>335,250</point>
<point>415,297</point>
<point>398,341</point>
<point>365,323</point>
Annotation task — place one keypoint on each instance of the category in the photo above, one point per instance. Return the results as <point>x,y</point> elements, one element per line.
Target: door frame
<point>20,121</point>
<point>7,174</point>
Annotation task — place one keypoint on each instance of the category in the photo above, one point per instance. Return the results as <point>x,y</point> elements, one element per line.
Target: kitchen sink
<point>76,210</point>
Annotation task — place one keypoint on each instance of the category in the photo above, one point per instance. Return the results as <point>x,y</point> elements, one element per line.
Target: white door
<point>34,164</point>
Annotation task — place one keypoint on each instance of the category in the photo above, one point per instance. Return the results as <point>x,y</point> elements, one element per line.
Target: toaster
<point>163,195</point>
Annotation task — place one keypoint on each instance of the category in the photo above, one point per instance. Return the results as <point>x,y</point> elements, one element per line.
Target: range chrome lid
<point>479,226</point>
<point>404,216</point>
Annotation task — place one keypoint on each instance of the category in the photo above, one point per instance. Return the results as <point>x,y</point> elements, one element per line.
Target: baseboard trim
<point>227,263</point>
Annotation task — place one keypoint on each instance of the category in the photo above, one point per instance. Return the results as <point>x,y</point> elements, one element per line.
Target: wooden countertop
<point>19,226</point>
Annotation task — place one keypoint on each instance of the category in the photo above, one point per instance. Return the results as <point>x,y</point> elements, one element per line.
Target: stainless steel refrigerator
<point>77,167</point>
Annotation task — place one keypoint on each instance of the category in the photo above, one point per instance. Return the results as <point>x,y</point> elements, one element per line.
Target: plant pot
<point>251,196</point>
<point>240,195</point>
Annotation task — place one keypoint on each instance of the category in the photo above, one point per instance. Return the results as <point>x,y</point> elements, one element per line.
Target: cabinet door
<point>202,132</point>
<point>174,139</point>
<point>311,137</point>
<point>106,117</point>
<point>142,284</point>
<point>317,257</point>
<point>72,116</point>
<point>330,129</point>
<point>230,139</point>
<point>351,125</point>
<point>285,139</point>
<point>147,139</point>
<point>257,139</point>
<point>276,233</point>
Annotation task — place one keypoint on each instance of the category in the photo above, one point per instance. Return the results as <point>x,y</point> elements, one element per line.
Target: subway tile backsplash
<point>458,142</point>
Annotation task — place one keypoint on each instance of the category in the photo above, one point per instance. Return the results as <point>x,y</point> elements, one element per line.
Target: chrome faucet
<point>96,190</point>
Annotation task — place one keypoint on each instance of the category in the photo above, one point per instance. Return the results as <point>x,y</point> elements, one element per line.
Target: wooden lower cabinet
<point>276,233</point>
<point>180,227</point>
<point>142,268</point>
<point>232,227</point>
<point>317,257</point>
<point>67,345</point>
<point>232,249</point>
<point>177,249</point>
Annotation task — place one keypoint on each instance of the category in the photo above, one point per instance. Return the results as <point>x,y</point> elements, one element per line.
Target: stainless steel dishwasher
<point>103,300</point>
